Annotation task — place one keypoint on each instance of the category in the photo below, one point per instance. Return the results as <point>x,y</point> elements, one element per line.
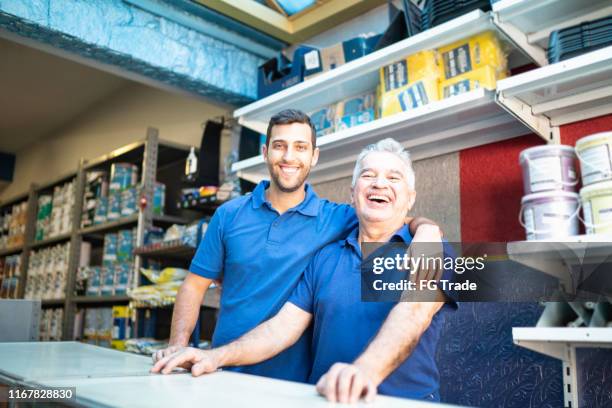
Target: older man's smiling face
<point>381,192</point>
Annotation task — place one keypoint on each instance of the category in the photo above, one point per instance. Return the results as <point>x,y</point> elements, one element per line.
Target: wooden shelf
<point>11,250</point>
<point>110,299</point>
<point>50,241</point>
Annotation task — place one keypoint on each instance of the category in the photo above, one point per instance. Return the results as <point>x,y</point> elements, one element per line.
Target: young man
<point>260,244</point>
<point>347,362</point>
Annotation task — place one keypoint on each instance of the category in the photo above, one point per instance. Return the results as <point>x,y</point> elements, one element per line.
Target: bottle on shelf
<point>191,165</point>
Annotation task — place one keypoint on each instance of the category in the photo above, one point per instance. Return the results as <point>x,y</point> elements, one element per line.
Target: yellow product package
<point>472,53</point>
<point>409,97</point>
<point>407,71</point>
<point>484,77</point>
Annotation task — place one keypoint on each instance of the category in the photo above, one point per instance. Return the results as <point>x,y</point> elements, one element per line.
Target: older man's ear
<point>415,222</point>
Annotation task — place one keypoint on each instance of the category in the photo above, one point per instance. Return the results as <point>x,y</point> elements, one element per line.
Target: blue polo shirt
<point>344,325</point>
<point>261,256</point>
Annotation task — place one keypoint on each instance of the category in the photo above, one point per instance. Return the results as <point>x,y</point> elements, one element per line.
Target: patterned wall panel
<point>481,367</point>
<point>437,186</point>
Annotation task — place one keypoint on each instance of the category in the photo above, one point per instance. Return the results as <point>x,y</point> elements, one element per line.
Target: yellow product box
<point>409,97</point>
<point>118,345</point>
<point>407,71</point>
<point>121,311</point>
<point>484,77</point>
<point>472,53</point>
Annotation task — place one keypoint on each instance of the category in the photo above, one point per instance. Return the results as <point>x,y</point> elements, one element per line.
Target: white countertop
<point>110,378</point>
<point>221,389</point>
<point>37,360</point>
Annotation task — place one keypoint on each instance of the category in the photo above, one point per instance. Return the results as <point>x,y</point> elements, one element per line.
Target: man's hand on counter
<point>159,354</point>
<point>197,361</point>
<point>346,383</point>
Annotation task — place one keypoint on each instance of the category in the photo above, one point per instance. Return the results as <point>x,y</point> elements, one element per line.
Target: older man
<point>358,347</point>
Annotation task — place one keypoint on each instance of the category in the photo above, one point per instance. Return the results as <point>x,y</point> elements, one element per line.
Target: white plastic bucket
<point>597,208</point>
<point>550,215</point>
<point>595,154</point>
<point>548,168</point>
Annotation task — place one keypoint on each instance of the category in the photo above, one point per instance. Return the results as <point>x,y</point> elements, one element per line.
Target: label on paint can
<point>549,219</point>
<point>605,215</point>
<point>543,171</point>
<point>596,164</point>
<point>588,217</point>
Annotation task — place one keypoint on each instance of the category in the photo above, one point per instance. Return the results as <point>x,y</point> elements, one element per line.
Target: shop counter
<point>109,378</point>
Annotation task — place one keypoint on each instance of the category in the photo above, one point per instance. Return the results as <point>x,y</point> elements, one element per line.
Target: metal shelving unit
<point>452,124</point>
<point>536,101</point>
<point>30,227</point>
<point>50,241</point>
<point>561,260</point>
<point>441,127</point>
<point>529,23</point>
<point>104,299</point>
<point>561,343</point>
<point>569,91</point>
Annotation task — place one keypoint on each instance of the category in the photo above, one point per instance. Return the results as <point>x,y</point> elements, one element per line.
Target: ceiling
<point>41,92</point>
<point>312,20</point>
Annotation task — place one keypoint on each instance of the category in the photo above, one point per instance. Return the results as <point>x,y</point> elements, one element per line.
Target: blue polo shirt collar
<point>401,235</point>
<point>309,206</point>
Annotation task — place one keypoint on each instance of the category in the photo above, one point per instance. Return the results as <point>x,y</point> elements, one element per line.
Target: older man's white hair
<point>391,146</point>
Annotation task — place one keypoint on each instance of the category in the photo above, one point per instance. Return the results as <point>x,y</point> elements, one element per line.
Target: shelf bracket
<point>555,350</point>
<point>521,40</point>
<point>523,112</point>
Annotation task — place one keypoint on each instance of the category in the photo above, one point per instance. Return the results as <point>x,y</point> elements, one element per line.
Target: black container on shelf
<point>579,39</point>
<point>436,12</point>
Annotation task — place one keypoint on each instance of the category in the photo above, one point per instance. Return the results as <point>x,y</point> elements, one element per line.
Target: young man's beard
<point>276,179</point>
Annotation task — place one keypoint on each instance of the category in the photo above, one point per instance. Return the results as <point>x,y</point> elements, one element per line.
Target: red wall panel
<point>491,188</point>
<point>491,183</point>
<point>574,131</point>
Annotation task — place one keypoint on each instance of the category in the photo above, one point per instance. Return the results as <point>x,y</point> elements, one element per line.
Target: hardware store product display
<point>12,226</point>
<point>159,193</point>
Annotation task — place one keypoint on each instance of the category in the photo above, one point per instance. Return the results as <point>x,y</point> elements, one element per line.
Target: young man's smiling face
<point>381,192</point>
<point>290,155</point>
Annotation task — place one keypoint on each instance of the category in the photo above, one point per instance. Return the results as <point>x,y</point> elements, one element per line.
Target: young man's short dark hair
<point>287,117</point>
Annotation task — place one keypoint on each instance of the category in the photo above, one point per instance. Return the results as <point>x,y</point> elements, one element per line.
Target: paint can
<point>550,215</point>
<point>597,207</point>
<point>548,168</point>
<point>595,154</point>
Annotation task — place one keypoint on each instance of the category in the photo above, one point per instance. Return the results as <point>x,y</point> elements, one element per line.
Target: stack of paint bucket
<point>550,208</point>
<point>595,154</point>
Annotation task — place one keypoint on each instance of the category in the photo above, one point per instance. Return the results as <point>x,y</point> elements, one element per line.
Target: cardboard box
<point>341,53</point>
<point>355,111</point>
<point>484,77</point>
<point>472,53</point>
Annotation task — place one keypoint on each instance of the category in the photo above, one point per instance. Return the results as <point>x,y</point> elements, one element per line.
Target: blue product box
<point>279,73</point>
<point>359,46</point>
